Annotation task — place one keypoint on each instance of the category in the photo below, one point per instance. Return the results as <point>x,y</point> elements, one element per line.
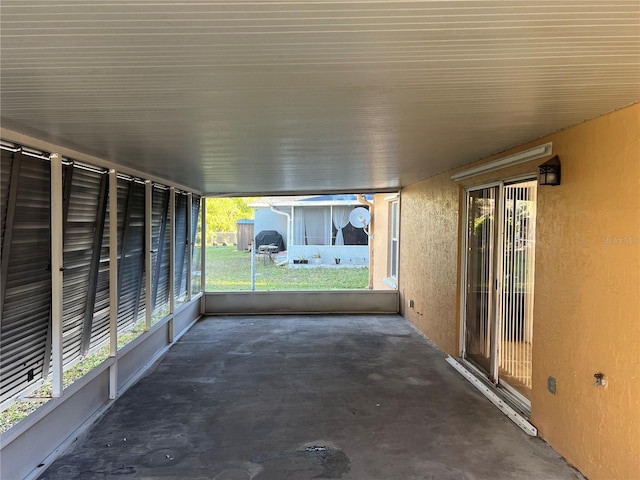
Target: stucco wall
<point>587,298</point>
<point>429,258</point>
<point>380,242</point>
<point>587,290</point>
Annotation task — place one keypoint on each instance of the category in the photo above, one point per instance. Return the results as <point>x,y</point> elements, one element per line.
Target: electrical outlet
<point>411,304</point>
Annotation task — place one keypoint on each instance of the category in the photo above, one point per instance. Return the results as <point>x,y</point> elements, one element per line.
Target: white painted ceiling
<point>310,96</point>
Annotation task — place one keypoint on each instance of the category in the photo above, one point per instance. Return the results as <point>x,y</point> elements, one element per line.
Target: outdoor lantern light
<point>549,172</point>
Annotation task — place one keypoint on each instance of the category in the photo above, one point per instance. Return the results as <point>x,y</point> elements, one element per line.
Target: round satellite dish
<point>359,217</point>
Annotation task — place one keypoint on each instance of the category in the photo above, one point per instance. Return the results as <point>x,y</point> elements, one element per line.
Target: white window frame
<point>394,243</point>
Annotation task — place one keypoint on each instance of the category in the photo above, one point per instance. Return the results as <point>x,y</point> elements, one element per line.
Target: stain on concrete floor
<point>305,397</point>
<point>316,460</point>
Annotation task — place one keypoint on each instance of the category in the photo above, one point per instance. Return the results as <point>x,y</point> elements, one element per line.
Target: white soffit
<point>238,97</point>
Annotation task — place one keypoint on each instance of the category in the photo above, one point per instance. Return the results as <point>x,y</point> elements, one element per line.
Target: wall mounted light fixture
<point>549,172</point>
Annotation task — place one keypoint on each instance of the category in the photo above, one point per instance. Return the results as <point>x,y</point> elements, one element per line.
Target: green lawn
<point>229,269</point>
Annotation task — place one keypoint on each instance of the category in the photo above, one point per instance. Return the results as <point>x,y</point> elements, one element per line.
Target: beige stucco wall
<point>587,293</point>
<point>429,258</point>
<point>380,242</point>
<point>587,298</point>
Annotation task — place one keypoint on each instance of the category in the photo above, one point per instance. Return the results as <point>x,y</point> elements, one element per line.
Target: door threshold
<point>494,396</point>
<point>506,392</point>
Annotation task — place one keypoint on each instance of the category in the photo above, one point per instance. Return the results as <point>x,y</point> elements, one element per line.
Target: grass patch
<point>229,269</point>
<point>22,408</point>
<point>18,412</point>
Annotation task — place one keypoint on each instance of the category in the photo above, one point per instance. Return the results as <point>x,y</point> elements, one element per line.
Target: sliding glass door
<point>499,274</point>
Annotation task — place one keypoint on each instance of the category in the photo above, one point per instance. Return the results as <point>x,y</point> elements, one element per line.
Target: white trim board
<point>513,415</point>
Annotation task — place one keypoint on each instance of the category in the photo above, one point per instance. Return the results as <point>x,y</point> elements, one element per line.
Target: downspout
<point>274,209</point>
<point>363,200</point>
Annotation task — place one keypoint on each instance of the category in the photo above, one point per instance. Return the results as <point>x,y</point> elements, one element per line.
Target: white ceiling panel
<point>299,96</point>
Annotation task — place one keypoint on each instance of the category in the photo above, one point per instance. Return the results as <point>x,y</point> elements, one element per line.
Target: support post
<point>172,260</point>
<point>189,243</point>
<point>203,243</point>
<point>253,265</point>
<point>56,271</point>
<point>67,182</point>
<point>148,310</point>
<point>113,281</point>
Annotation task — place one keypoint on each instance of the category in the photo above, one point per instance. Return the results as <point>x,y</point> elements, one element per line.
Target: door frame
<point>495,265</point>
<point>496,298</point>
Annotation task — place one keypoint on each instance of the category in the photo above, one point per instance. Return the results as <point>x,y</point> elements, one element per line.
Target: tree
<point>223,214</point>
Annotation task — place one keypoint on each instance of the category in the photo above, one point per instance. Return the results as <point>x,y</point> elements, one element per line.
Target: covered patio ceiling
<point>274,97</point>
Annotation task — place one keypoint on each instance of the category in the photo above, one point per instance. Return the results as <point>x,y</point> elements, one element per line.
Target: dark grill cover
<point>270,237</point>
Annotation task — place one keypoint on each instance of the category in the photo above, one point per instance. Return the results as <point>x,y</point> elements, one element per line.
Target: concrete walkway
<point>306,397</point>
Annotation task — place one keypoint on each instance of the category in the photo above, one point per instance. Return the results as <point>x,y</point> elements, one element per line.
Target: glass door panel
<point>516,305</point>
<point>481,235</point>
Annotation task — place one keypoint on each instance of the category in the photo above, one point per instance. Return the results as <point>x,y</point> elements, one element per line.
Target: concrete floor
<point>306,397</point>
